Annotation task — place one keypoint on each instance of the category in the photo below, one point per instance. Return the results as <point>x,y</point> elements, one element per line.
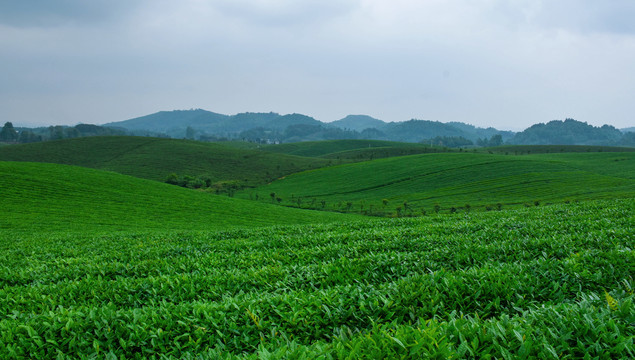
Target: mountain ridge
<point>274,128</point>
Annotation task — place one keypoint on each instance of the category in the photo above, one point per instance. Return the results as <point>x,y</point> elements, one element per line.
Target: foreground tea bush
<point>541,282</point>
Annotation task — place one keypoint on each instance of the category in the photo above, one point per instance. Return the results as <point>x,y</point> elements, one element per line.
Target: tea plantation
<point>553,282</point>
<point>411,185</point>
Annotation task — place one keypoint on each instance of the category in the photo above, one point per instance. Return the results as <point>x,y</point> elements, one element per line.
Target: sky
<point>507,64</point>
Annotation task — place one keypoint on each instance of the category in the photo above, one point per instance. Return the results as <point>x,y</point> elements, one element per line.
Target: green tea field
<point>550,282</point>
<point>411,185</point>
<point>156,158</point>
<point>39,197</point>
<point>96,263</point>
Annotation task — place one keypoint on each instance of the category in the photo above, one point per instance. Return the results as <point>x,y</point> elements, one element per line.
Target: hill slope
<point>155,158</point>
<point>456,179</point>
<point>52,197</point>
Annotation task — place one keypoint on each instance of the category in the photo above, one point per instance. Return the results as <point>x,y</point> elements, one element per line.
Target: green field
<point>96,263</point>
<point>553,149</point>
<point>456,179</point>
<point>42,197</point>
<point>155,158</point>
<point>542,282</point>
<point>359,150</point>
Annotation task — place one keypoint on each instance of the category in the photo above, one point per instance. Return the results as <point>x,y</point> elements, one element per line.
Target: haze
<point>506,64</point>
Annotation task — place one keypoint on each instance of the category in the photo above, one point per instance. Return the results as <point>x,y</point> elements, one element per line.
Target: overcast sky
<point>502,63</point>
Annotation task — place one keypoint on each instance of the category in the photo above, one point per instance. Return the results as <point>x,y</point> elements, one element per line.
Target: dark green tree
<point>28,136</point>
<point>173,179</point>
<point>8,133</point>
<point>496,140</point>
<point>190,133</point>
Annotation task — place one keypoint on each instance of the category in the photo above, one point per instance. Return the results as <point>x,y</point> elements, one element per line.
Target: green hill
<point>156,158</point>
<point>456,179</point>
<point>349,149</point>
<point>53,197</point>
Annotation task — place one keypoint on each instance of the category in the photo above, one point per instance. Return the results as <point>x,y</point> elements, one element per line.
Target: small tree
<point>273,196</point>
<point>467,208</point>
<point>385,202</point>
<point>437,208</point>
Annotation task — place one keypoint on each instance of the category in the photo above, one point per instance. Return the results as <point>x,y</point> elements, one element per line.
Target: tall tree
<point>8,133</point>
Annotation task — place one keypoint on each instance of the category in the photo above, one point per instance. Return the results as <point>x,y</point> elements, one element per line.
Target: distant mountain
<point>474,133</point>
<point>248,120</point>
<point>419,130</point>
<point>358,123</point>
<point>629,129</point>
<point>282,122</point>
<point>167,121</point>
<point>568,132</point>
<point>273,127</point>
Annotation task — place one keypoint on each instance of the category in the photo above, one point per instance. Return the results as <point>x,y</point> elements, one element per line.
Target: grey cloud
<point>50,13</point>
<point>280,13</point>
<point>589,16</point>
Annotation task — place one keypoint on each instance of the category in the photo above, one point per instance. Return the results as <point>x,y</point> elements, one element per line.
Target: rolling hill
<point>453,180</point>
<point>331,148</point>
<point>156,158</point>
<point>51,197</point>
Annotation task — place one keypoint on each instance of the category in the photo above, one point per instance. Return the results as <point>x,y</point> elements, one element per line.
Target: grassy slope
<point>52,197</point>
<point>357,150</point>
<point>540,283</point>
<point>342,148</point>
<point>456,179</point>
<point>154,158</point>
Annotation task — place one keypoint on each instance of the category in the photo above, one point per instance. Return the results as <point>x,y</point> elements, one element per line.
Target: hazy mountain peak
<point>358,122</point>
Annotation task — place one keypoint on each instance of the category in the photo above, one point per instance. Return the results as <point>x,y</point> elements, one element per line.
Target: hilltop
<point>570,132</point>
